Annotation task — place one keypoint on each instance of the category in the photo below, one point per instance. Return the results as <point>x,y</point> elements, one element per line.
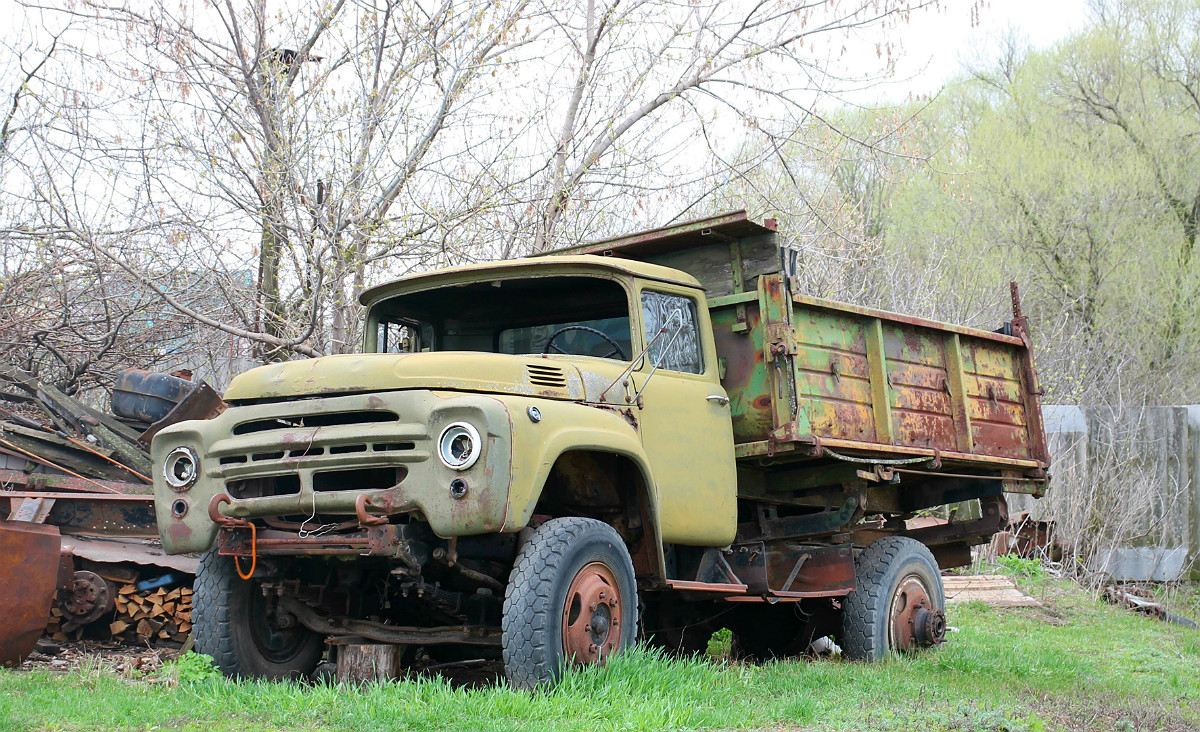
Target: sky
<point>937,43</point>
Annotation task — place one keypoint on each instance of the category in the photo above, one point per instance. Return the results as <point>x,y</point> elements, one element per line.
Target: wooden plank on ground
<point>991,589</point>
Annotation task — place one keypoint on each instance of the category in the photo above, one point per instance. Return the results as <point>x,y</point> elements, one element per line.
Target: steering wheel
<point>616,347</point>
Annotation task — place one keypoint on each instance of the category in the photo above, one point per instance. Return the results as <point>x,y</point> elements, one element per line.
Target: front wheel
<point>898,605</point>
<point>571,598</point>
<point>235,624</point>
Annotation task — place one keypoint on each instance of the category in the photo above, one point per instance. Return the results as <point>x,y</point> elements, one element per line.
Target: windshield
<point>587,316</point>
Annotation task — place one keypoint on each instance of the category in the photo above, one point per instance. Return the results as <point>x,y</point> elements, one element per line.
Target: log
<point>361,662</point>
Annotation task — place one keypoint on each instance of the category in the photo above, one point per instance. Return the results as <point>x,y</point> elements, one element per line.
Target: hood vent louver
<point>545,375</point>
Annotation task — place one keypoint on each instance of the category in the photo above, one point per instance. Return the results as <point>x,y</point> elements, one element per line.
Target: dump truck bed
<point>870,380</point>
<point>807,375</point>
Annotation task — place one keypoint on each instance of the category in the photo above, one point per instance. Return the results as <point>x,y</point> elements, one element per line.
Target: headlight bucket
<point>459,446</point>
<point>181,468</point>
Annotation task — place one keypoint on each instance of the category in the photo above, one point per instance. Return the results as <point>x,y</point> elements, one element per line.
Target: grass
<point>1076,664</point>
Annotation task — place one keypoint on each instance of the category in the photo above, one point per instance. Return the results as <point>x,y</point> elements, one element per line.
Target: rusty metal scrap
<point>1141,601</point>
<point>29,559</point>
<point>78,475</point>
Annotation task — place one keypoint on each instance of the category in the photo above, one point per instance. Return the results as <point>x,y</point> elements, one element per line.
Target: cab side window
<point>678,347</point>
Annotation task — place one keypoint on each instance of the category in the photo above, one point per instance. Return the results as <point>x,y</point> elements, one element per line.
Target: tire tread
<point>529,659</point>
<point>212,627</point>
<point>862,608</point>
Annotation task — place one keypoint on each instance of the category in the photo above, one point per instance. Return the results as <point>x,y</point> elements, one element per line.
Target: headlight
<point>181,468</point>
<point>459,445</point>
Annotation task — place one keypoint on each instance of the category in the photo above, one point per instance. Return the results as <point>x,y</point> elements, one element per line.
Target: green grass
<point>1077,664</point>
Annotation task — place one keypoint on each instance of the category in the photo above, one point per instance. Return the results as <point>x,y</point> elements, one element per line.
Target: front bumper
<point>307,460</point>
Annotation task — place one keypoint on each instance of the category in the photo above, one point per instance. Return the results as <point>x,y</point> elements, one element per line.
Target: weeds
<point>190,668</point>
<point>1021,566</point>
<point>720,645</point>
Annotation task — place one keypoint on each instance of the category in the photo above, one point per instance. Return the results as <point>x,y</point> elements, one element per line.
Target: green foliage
<point>720,645</point>
<point>1022,566</point>
<point>1073,170</point>
<point>190,668</point>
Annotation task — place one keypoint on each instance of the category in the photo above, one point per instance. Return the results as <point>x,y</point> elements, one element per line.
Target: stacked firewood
<point>140,617</point>
<point>144,617</point>
<point>54,626</point>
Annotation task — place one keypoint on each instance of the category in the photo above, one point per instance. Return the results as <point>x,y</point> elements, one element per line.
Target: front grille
<point>553,376</point>
<point>342,446</point>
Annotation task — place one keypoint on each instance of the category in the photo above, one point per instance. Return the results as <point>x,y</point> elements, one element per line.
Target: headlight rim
<point>476,445</point>
<point>173,482</point>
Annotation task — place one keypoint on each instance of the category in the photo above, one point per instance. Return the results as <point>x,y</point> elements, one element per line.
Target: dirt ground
<point>73,655</point>
<point>128,660</point>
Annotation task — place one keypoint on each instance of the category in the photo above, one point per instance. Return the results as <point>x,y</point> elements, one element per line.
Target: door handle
<point>718,398</point>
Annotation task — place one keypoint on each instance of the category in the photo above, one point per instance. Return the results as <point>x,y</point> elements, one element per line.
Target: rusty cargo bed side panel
<point>874,381</point>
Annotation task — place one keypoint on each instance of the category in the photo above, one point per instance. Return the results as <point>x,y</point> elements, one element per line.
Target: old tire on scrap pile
<point>899,603</point>
<point>234,624</point>
<point>571,597</point>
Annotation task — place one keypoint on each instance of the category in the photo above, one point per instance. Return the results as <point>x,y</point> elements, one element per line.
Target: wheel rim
<point>591,629</point>
<point>909,599</point>
<point>276,644</point>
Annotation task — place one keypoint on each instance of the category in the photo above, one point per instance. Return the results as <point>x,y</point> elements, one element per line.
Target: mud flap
<point>29,558</point>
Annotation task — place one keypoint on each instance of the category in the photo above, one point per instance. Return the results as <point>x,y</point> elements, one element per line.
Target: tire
<point>872,627</point>
<point>231,624</point>
<point>568,565</point>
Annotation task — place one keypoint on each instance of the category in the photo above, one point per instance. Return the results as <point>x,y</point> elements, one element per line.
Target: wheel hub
<point>276,634</point>
<point>591,627</point>
<point>89,598</point>
<point>915,621</point>
<point>929,627</point>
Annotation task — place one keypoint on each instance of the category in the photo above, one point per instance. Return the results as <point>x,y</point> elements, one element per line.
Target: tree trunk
<point>358,663</point>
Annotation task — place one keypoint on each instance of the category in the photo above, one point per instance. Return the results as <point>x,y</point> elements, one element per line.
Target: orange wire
<point>253,555</point>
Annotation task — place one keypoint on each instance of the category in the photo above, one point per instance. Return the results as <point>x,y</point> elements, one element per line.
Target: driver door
<point>684,420</point>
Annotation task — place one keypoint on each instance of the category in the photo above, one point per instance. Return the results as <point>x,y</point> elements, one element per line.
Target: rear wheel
<point>240,628</point>
<point>571,598</point>
<point>899,603</point>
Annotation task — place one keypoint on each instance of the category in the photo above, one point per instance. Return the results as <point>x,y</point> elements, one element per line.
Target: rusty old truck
<point>548,458</point>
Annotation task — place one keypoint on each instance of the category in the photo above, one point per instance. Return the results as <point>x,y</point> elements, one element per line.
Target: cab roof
<point>561,264</point>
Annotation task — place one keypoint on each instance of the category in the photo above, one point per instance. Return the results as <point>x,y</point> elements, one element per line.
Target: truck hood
<point>452,370</point>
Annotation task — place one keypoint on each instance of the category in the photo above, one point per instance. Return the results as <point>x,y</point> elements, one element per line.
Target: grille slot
<point>540,375</point>
<point>280,485</point>
<point>359,479</point>
<point>394,446</point>
<point>307,452</point>
<point>315,420</point>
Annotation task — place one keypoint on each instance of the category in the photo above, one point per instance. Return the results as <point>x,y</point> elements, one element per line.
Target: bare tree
<point>646,86</point>
<point>316,135</point>
<point>287,157</point>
